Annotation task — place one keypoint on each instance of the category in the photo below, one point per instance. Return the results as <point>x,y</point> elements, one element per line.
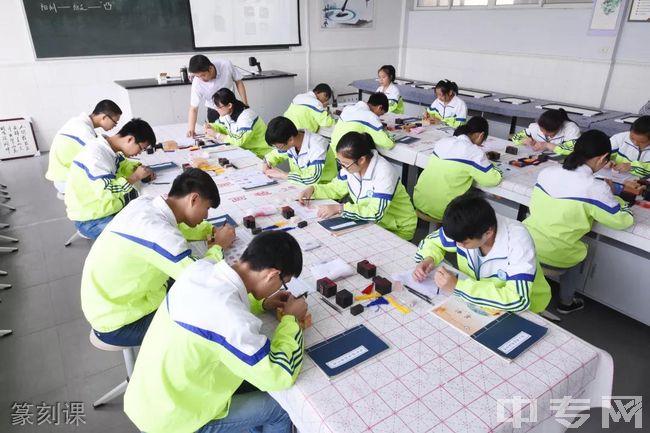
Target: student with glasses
<point>74,135</point>
<point>374,188</point>
<point>101,177</point>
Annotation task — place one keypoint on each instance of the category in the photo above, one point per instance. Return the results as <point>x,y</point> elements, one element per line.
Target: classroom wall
<point>538,52</point>
<point>51,91</point>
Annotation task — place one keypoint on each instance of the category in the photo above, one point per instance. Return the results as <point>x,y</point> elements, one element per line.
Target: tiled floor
<point>49,359</point>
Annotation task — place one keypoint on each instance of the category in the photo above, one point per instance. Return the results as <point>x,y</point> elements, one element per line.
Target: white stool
<point>8,249</point>
<point>76,235</point>
<point>129,361</point>
<point>7,206</point>
<point>8,239</point>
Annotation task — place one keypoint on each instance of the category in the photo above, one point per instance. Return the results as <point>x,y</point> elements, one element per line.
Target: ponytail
<point>552,120</point>
<point>447,87</point>
<point>354,145</point>
<point>591,144</point>
<point>476,124</point>
<point>388,70</point>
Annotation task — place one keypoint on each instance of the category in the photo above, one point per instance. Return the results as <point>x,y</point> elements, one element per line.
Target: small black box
<point>512,150</point>
<point>366,269</point>
<point>356,310</point>
<point>382,285</point>
<point>326,287</point>
<point>256,230</point>
<point>249,221</point>
<point>287,212</point>
<point>302,224</point>
<point>344,298</point>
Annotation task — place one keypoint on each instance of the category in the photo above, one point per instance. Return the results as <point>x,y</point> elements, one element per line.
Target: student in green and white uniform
<point>309,110</point>
<point>205,341</point>
<point>386,76</point>
<point>565,202</point>
<point>100,180</point>
<point>363,117</point>
<point>125,275</point>
<point>631,150</point>
<point>310,159</point>
<point>495,252</point>
<point>447,108</point>
<point>456,163</point>
<point>372,184</point>
<point>237,124</point>
<point>74,135</point>
<point>553,131</point>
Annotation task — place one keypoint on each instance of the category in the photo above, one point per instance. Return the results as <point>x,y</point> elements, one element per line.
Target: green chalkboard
<point>68,28</point>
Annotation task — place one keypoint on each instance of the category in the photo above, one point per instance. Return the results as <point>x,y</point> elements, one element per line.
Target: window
<point>564,2</point>
<point>458,3</point>
<point>516,2</point>
<point>431,3</point>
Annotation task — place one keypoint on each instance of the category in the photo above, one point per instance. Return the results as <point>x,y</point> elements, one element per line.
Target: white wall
<point>51,91</point>
<point>538,52</point>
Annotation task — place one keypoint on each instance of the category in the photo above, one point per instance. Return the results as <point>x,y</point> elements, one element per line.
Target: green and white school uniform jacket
<point>307,112</point>
<point>378,197</point>
<point>455,164</point>
<point>203,342</point>
<point>67,144</point>
<point>565,138</point>
<point>126,271</point>
<point>453,114</point>
<point>247,132</point>
<point>313,164</point>
<point>563,207</point>
<point>359,118</point>
<point>626,152</point>
<point>395,101</point>
<point>97,185</point>
<point>508,278</point>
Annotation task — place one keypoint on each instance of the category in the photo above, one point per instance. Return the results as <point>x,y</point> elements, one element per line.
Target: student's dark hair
<point>552,120</point>
<point>468,216</point>
<point>198,181</point>
<point>280,130</point>
<point>379,99</point>
<point>641,126</point>
<point>354,145</point>
<point>388,70</point>
<point>473,125</point>
<point>274,249</point>
<point>199,63</point>
<point>225,96</point>
<point>107,107</point>
<point>323,88</point>
<point>140,130</point>
<point>591,143</point>
<point>447,86</point>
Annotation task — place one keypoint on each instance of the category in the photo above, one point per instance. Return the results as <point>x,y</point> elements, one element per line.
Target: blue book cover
<point>339,223</point>
<point>221,220</point>
<point>163,166</point>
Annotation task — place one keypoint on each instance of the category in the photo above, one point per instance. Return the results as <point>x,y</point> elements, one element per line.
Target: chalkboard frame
<point>246,47</point>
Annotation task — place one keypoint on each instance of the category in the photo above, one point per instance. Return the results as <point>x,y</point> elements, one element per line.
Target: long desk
<point>612,126</point>
<point>488,104</point>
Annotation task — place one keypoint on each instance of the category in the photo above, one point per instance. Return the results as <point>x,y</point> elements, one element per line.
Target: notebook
<point>163,166</point>
<point>504,333</point>
<point>406,139</point>
<point>222,220</point>
<point>346,350</point>
<point>340,225</point>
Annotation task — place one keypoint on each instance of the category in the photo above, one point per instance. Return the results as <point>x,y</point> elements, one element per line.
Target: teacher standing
<point>208,78</point>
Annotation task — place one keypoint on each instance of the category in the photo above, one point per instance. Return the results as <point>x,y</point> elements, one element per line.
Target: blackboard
<point>68,28</point>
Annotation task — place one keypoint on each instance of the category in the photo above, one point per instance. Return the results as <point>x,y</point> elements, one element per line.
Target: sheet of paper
<point>332,269</point>
<point>427,287</point>
<point>495,144</point>
<point>297,287</point>
<point>231,153</point>
<point>310,210</point>
<point>167,176</point>
<point>608,173</point>
<point>249,180</point>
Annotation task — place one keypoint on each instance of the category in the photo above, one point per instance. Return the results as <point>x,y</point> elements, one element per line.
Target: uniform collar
<point>370,172</point>
<point>304,148</point>
<point>584,168</point>
<point>464,138</point>
<point>500,247</point>
<point>160,203</point>
<point>222,270</point>
<point>104,143</point>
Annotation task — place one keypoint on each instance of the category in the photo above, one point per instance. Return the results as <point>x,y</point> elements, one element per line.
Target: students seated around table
<point>205,341</point>
<point>309,155</point>
<point>631,150</point>
<point>309,110</point>
<point>371,183</point>
<point>496,254</point>
<point>386,76</point>
<point>553,131</point>
<point>447,108</point>
<point>125,276</point>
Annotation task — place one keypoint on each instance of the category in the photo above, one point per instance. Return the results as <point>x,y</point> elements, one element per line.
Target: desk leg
<point>410,174</point>
<point>360,95</point>
<point>522,213</point>
<point>513,124</point>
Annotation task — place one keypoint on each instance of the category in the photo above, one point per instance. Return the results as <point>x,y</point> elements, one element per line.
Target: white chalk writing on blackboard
<point>55,8</point>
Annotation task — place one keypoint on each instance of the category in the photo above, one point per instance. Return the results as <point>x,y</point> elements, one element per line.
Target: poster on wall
<point>640,11</point>
<point>606,17</point>
<point>347,14</point>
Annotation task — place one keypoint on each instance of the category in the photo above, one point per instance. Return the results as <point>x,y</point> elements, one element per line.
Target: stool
<point>433,224</point>
<point>76,235</point>
<point>129,361</point>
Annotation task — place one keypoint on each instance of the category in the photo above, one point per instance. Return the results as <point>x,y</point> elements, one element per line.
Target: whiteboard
<point>17,139</point>
<point>241,23</point>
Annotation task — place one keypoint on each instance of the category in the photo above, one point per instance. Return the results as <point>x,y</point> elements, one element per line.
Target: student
<point>72,136</point>
<point>364,117</point>
<point>205,340</point>
<point>374,188</point>
<point>565,202</point>
<point>310,159</point>
<point>209,77</point>
<point>308,111</point>
<point>456,163</point>
<point>237,124</point>
<point>631,150</point>
<point>553,131</point>
<point>496,253</point>
<point>386,75</point>
<point>125,276</point>
<point>100,181</point>
<point>448,108</point>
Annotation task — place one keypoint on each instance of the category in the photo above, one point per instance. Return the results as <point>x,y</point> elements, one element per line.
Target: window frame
<point>492,5</point>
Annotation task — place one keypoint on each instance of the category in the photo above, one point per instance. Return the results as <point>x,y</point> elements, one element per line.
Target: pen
<point>425,298</point>
<point>160,183</point>
<point>332,306</point>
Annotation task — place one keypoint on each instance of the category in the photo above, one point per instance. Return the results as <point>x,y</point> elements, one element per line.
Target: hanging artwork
<point>347,14</point>
<point>640,11</point>
<point>606,17</point>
